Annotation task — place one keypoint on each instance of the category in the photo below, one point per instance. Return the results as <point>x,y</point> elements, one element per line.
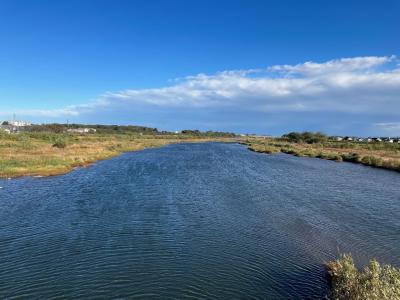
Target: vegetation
<point>374,154</point>
<point>375,282</point>
<point>50,150</point>
<point>306,137</point>
<point>118,129</point>
<point>208,133</point>
<point>60,142</point>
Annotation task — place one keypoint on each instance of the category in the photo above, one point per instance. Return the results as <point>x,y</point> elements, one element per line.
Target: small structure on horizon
<point>82,130</point>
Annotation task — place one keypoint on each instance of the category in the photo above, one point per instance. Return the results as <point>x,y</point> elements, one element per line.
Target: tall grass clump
<point>375,282</point>
<point>60,142</point>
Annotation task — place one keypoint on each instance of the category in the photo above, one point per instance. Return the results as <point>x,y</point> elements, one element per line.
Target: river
<point>194,221</point>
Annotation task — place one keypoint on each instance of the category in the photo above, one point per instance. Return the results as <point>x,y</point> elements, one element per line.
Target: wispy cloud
<point>359,85</point>
<point>389,127</point>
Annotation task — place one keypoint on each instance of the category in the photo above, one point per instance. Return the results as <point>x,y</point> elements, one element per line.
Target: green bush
<point>351,157</point>
<point>306,137</point>
<point>60,142</point>
<point>375,282</point>
<point>372,161</point>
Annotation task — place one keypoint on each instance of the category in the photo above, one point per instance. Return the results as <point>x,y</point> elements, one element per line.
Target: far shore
<point>377,155</point>
<point>47,153</point>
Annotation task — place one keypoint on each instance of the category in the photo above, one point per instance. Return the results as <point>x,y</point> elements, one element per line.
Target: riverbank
<point>379,155</point>
<point>48,154</point>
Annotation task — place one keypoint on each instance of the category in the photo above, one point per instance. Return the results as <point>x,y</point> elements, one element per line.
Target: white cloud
<point>356,85</point>
<point>335,66</point>
<point>389,127</point>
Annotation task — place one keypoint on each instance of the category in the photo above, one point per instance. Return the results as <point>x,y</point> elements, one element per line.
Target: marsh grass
<point>379,155</point>
<point>375,282</point>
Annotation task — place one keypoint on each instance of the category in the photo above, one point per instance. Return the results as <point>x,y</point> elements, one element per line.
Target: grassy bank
<point>45,153</point>
<point>375,282</point>
<point>380,155</point>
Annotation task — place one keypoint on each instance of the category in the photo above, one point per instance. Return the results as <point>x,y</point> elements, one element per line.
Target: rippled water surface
<point>199,221</point>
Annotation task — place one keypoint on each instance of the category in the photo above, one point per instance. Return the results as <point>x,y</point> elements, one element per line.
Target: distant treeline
<point>58,128</point>
<point>122,129</point>
<point>208,133</point>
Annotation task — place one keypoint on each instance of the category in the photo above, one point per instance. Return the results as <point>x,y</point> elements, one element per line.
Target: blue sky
<point>244,66</point>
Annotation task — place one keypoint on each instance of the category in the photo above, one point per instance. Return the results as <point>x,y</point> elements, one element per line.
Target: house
<point>81,130</point>
<point>17,123</point>
<point>338,138</point>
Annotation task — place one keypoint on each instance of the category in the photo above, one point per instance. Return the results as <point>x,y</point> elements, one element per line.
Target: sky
<point>265,67</point>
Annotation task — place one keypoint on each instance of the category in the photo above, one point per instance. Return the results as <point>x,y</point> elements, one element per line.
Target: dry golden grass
<point>34,155</point>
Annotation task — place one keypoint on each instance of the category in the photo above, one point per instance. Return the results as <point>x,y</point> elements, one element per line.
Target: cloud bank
<point>358,86</point>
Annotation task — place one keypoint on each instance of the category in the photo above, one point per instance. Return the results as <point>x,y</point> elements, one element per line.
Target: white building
<point>19,123</point>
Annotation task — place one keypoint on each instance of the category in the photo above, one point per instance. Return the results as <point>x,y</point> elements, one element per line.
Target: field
<point>46,153</point>
<point>376,154</point>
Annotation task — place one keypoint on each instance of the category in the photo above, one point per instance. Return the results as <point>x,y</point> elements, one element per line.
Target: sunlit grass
<point>380,155</point>
<point>375,282</point>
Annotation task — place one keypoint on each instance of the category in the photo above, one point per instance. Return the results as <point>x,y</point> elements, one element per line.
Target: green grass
<point>375,282</point>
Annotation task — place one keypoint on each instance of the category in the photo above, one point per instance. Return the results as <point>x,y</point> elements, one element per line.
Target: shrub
<point>330,156</point>
<point>372,161</point>
<point>60,143</point>
<point>351,157</point>
<point>306,137</point>
<point>375,282</point>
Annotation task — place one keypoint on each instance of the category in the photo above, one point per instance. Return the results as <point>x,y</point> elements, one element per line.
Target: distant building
<point>81,130</point>
<point>18,123</point>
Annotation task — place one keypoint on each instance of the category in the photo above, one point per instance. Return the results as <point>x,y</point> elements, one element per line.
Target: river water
<point>193,221</point>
